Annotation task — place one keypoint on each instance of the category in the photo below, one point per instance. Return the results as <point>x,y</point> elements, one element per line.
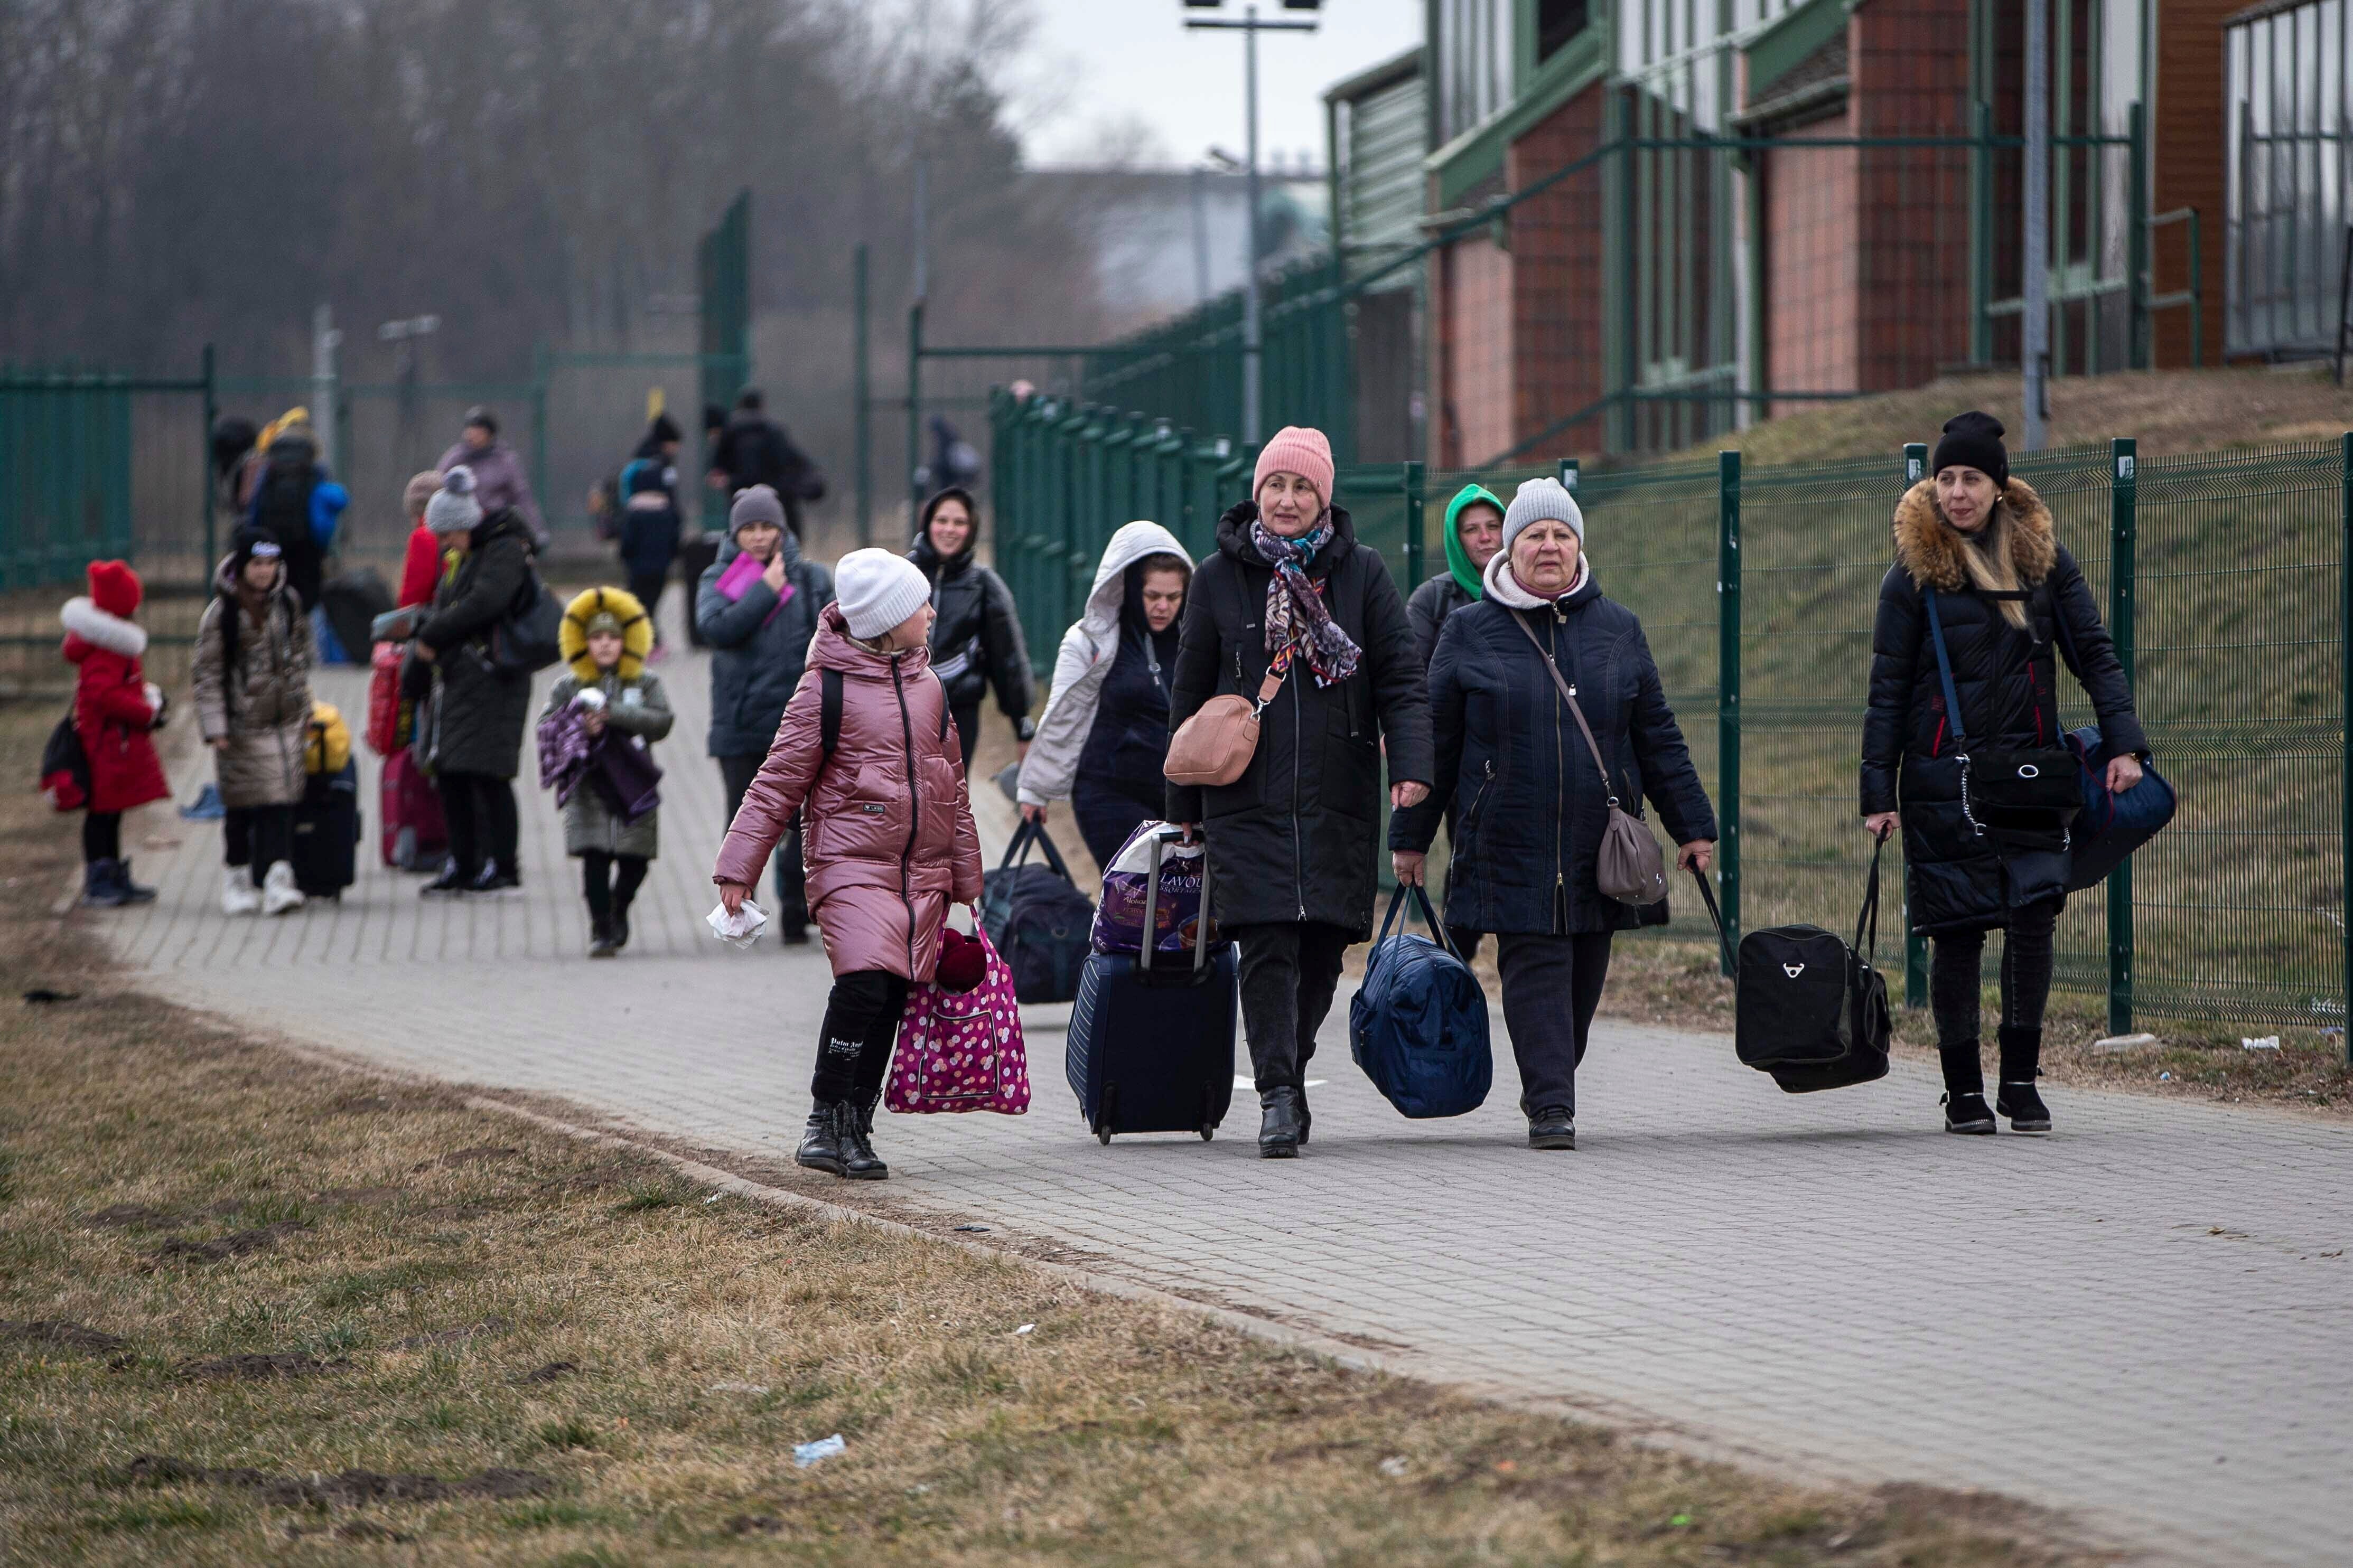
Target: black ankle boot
<point>620,929</point>
<point>600,938</point>
<point>820,1147</point>
<point>1965,1104</point>
<point>1552,1129</point>
<point>2021,1064</point>
<point>859,1161</point>
<point>1306,1117</point>
<point>1277,1128</point>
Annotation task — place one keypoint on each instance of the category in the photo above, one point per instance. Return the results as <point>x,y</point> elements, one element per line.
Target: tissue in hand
<point>740,930</point>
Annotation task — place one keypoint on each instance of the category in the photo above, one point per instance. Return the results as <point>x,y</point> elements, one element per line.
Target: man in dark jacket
<point>753,449</point>
<point>758,628</point>
<point>297,502</point>
<point>1293,839</point>
<point>474,739</point>
<point>650,536</point>
<point>1474,532</point>
<point>977,640</point>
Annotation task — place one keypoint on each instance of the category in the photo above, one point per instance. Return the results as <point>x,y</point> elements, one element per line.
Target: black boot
<point>859,1161</point>
<point>1277,1128</point>
<point>820,1147</point>
<point>619,928</point>
<point>133,893</point>
<point>1552,1129</point>
<point>451,882</point>
<point>2021,1064</point>
<point>600,939</point>
<point>1965,1104</point>
<point>1306,1117</point>
<point>101,885</point>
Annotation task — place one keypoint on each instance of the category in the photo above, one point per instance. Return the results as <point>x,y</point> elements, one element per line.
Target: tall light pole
<point>2034,318</point>
<point>1250,26</point>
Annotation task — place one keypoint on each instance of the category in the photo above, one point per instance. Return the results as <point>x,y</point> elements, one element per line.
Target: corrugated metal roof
<point>1383,187</point>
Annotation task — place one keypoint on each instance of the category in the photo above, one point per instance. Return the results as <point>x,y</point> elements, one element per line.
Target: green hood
<point>1457,563</point>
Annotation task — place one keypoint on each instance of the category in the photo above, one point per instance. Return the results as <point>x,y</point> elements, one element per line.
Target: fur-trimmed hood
<point>84,619</point>
<point>637,633</point>
<point>1929,548</point>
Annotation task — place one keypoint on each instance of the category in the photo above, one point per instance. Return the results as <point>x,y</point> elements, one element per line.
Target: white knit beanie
<point>1539,500</point>
<point>877,590</point>
<point>453,509</point>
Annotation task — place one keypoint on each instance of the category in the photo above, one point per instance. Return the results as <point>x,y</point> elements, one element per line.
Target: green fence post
<point>864,375</point>
<point>2345,691</point>
<point>212,412</point>
<point>1410,479</point>
<point>2123,488</point>
<point>1727,692</point>
<point>1916,946</point>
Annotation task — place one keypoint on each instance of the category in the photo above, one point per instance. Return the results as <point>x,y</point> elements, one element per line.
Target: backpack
<point>1418,1025</point>
<point>527,639</point>
<point>281,507</point>
<point>1807,1007</point>
<point>1038,918</point>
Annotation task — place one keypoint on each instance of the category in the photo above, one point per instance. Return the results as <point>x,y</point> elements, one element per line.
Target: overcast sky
<point>1121,66</point>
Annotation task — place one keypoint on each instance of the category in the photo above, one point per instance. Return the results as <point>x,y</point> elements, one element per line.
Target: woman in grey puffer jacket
<point>253,704</point>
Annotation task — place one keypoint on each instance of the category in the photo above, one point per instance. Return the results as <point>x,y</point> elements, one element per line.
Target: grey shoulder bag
<point>1631,867</point>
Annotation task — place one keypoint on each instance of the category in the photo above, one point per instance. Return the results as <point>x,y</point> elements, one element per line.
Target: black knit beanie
<point>1973,438</point>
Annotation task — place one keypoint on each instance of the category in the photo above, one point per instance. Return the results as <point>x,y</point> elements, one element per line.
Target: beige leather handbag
<point>1631,867</point>
<point>1216,745</point>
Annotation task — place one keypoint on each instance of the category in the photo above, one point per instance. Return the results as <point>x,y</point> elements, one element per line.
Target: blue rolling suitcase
<point>1152,1047</point>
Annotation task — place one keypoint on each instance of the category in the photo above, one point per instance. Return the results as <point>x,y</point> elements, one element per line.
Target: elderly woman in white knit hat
<point>888,833</point>
<point>1511,675</point>
<point>1290,596</point>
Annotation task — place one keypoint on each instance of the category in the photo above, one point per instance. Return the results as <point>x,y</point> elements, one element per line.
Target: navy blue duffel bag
<point>2111,827</point>
<point>1418,1024</point>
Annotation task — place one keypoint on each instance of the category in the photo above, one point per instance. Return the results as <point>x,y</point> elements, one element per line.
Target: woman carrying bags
<point>1105,734</point>
<point>1535,800</point>
<point>1965,778</point>
<point>1291,593</point>
<point>890,836</point>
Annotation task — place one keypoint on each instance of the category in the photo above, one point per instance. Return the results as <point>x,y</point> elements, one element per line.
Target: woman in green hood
<point>1474,532</point>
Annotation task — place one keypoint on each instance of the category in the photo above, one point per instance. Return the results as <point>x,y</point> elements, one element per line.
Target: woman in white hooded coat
<point>1105,734</point>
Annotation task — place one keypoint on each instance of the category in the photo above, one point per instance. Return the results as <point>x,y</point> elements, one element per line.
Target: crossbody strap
<point>1944,668</point>
<point>1570,696</point>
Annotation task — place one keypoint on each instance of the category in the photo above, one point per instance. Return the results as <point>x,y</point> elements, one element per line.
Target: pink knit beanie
<point>1296,449</point>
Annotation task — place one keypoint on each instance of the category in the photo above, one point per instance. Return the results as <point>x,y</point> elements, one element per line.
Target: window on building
<point>1558,21</point>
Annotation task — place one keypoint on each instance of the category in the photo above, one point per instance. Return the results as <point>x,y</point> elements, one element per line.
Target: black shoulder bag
<point>2002,779</point>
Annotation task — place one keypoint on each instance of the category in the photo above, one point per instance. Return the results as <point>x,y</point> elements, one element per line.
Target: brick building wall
<point>1559,302</point>
<point>1475,279</point>
<point>1812,285</point>
<point>1909,63</point>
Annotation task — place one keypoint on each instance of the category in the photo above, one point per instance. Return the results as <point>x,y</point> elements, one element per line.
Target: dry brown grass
<point>341,1317</point>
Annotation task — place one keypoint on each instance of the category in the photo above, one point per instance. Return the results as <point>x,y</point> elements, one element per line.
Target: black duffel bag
<point>1037,918</point>
<point>1808,1007</point>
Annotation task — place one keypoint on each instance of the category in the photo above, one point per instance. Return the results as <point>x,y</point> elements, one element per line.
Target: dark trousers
<point>1288,973</point>
<point>647,587</point>
<point>792,880</point>
<point>967,724</point>
<point>101,835</point>
<point>259,837</point>
<point>1106,817</point>
<point>853,1045</point>
<point>1551,986</point>
<point>1956,968</point>
<point>610,883</point>
<point>480,812</point>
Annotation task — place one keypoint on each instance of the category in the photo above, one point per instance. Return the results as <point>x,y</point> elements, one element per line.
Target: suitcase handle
<point>1152,902</point>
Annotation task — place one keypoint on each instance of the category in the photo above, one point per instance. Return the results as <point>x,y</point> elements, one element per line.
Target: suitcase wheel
<point>1103,1136</point>
<point>1208,1133</point>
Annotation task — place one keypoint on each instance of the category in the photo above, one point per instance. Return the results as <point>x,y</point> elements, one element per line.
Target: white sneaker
<point>279,892</point>
<point>238,895</point>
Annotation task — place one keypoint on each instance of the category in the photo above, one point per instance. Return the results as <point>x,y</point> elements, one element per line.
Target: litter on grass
<point>2266,1043</point>
<point>1393,1467</point>
<point>734,1387</point>
<point>2115,1043</point>
<point>808,1453</point>
<point>978,1229</point>
<point>1023,1330</point>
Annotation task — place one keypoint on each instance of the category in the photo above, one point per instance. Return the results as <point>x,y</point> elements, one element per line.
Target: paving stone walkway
<point>2144,1319</point>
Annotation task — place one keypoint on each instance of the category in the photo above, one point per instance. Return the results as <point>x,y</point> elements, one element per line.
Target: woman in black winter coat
<point>975,637</point>
<point>2007,593</point>
<point>473,741</point>
<point>1294,838</point>
<point>1533,804</point>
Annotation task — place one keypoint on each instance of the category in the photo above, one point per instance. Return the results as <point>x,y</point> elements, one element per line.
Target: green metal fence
<point>2223,577</point>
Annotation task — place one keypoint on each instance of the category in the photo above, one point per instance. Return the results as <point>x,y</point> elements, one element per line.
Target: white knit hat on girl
<point>453,509</point>
<point>877,590</point>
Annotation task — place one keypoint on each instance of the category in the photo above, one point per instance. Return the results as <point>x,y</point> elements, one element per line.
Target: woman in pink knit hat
<point>1295,838</point>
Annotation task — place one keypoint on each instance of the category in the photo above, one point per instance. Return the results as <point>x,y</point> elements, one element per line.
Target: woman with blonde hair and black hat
<point>1977,568</point>
<point>605,638</point>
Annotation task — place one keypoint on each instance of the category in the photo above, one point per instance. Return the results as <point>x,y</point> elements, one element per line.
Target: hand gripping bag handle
<point>1017,849</point>
<point>1152,903</point>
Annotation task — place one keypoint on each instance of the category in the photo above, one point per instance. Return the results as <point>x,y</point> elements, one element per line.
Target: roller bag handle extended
<point>1151,906</point>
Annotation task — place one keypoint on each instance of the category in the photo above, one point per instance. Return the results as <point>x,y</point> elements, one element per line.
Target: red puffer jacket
<point>889,838</point>
<point>114,710</point>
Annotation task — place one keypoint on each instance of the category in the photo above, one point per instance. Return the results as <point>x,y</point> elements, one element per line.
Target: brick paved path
<point>2145,1318</point>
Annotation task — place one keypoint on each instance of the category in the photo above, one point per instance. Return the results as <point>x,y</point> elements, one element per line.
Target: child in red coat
<point>116,710</point>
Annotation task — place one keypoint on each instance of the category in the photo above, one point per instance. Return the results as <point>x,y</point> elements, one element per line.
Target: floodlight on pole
<point>1250,26</point>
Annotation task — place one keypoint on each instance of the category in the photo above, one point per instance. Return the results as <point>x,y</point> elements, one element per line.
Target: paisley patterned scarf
<point>1295,611</point>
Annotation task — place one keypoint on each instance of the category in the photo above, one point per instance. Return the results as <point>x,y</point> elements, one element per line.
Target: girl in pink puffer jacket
<point>888,838</point>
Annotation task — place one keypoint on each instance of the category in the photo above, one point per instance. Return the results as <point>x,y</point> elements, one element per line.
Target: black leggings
<point>611,882</point>
<point>1954,965</point>
<point>101,835</point>
<point>259,837</point>
<point>853,1047</point>
<point>479,810</point>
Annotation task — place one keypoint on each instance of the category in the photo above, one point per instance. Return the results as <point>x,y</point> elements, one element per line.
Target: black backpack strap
<point>828,724</point>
